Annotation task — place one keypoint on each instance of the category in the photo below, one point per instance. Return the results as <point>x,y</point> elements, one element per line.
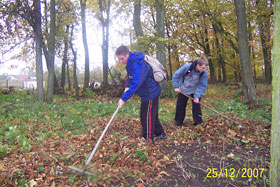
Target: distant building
<point>19,81</point>
<point>11,77</point>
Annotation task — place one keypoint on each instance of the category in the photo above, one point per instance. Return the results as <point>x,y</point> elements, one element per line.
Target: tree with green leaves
<point>249,89</point>
<point>274,175</point>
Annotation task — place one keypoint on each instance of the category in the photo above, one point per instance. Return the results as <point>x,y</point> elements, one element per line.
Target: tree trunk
<point>75,65</point>
<point>220,57</point>
<point>160,32</point>
<point>63,66</point>
<point>208,51</point>
<point>265,49</point>
<point>38,39</point>
<point>106,44</point>
<point>83,16</point>
<point>222,61</point>
<point>65,58</point>
<point>251,51</point>
<point>105,10</point>
<point>249,89</point>
<point>169,55</point>
<point>44,46</point>
<point>68,75</point>
<point>264,26</point>
<point>176,56</point>
<point>274,171</point>
<point>136,18</point>
<point>170,63</point>
<point>48,61</point>
<point>160,49</point>
<point>51,47</point>
<point>219,73</point>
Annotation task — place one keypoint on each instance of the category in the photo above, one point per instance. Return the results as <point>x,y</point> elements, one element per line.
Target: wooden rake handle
<point>100,138</point>
<point>237,123</point>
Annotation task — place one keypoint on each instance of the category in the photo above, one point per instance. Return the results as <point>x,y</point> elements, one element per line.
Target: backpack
<point>193,65</point>
<point>159,71</point>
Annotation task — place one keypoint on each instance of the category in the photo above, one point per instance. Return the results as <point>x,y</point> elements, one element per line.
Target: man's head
<point>202,64</point>
<point>122,54</point>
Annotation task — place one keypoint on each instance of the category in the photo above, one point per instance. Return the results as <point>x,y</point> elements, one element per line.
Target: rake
<point>83,170</point>
<point>235,122</point>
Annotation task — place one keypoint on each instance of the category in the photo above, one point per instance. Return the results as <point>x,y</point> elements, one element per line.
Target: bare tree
<point>75,64</point>
<point>104,8</point>
<point>249,89</point>
<point>65,58</point>
<point>46,45</point>
<point>51,47</point>
<point>38,39</point>
<point>83,16</point>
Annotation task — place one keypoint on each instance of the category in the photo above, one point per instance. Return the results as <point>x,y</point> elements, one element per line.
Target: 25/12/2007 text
<point>235,173</point>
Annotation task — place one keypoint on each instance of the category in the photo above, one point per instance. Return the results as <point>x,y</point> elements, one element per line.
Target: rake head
<point>83,171</point>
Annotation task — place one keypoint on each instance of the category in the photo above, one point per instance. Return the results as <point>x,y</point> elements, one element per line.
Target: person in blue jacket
<point>191,79</point>
<point>140,81</point>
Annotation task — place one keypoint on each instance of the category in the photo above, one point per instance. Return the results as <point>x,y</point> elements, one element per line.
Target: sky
<point>94,36</point>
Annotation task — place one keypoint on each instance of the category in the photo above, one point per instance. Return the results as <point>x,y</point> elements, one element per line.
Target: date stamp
<point>235,173</point>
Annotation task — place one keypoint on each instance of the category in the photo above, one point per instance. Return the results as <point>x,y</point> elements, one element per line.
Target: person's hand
<point>177,90</point>
<point>196,100</point>
<point>120,103</point>
<point>126,89</point>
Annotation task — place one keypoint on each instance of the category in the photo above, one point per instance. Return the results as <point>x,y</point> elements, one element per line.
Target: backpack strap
<point>193,66</point>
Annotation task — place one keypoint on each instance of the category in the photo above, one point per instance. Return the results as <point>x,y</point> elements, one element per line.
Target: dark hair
<point>122,50</point>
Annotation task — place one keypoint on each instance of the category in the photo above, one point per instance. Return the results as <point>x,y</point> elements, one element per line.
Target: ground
<point>188,157</point>
<point>215,153</point>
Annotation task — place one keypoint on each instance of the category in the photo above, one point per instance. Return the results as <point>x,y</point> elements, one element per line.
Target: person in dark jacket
<point>191,79</point>
<point>140,81</point>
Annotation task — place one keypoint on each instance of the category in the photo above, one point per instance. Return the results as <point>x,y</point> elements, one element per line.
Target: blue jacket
<point>193,83</point>
<point>140,79</point>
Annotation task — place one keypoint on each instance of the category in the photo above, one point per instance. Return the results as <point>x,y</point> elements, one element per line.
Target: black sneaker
<point>160,137</point>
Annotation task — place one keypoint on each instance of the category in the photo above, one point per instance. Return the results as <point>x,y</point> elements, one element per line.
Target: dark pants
<point>181,110</point>
<point>151,126</point>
